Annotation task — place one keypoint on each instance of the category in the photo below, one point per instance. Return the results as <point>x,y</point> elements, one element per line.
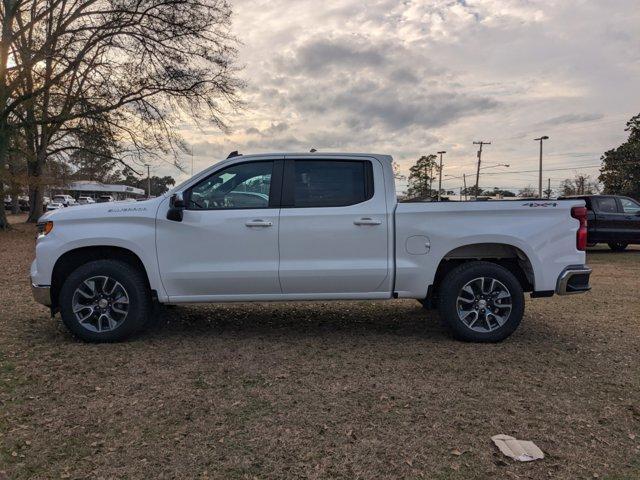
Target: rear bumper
<point>574,279</point>
<point>41,294</point>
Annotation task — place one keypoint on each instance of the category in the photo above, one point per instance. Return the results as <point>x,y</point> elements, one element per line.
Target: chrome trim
<point>41,294</point>
<point>565,276</point>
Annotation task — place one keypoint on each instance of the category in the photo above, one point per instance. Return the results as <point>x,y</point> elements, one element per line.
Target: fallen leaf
<point>456,452</point>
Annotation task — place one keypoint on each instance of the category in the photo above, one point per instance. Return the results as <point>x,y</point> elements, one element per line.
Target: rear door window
<point>607,205</point>
<point>331,183</point>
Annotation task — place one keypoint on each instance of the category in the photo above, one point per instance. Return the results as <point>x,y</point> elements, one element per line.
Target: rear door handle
<point>367,221</point>
<point>258,223</point>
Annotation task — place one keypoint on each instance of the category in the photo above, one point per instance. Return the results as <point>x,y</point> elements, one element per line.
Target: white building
<point>93,189</point>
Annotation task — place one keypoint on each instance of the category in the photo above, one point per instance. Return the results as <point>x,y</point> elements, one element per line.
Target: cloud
<point>323,53</point>
<point>571,118</point>
<point>413,77</point>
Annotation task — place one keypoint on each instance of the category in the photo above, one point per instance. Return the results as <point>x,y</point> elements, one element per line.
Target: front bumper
<point>41,294</point>
<point>574,279</point>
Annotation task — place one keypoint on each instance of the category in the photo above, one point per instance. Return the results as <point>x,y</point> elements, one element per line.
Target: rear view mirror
<point>176,207</point>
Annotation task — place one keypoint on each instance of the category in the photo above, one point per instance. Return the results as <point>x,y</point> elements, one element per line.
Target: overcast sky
<point>413,77</point>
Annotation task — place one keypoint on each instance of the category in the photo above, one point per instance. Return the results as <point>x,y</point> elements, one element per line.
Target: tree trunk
<point>4,223</point>
<point>36,187</point>
<point>15,203</point>
<point>4,144</point>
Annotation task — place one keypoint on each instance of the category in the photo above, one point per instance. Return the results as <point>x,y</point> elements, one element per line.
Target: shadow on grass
<point>297,320</point>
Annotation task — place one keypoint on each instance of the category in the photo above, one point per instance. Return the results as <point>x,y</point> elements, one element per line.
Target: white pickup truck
<point>311,226</point>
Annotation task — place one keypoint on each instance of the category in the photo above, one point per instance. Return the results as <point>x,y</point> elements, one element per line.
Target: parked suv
<point>612,219</point>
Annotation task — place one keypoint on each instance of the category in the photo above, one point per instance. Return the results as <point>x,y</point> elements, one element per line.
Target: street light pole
<point>540,172</point>
<point>440,175</point>
<point>481,143</point>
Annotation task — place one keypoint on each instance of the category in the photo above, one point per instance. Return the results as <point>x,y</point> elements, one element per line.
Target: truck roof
<point>379,156</point>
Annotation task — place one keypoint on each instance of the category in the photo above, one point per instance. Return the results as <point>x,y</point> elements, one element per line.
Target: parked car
<point>329,228</point>
<point>85,200</point>
<point>65,200</point>
<point>612,219</point>
<point>105,198</point>
<point>54,206</point>
<point>24,204</point>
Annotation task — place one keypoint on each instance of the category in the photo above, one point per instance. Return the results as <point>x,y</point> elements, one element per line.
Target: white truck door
<point>227,241</point>
<point>333,227</point>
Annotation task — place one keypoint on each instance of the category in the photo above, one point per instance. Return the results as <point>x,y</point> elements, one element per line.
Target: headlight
<point>44,228</point>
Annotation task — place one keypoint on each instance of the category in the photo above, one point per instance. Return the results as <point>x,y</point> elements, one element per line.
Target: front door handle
<point>258,223</point>
<point>367,221</point>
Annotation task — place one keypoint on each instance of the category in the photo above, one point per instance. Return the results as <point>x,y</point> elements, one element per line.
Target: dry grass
<point>322,390</point>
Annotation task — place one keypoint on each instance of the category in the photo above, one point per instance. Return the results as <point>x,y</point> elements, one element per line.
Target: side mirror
<point>176,207</point>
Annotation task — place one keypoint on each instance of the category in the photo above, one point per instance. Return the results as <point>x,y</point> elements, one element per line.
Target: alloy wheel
<point>100,304</point>
<point>484,304</point>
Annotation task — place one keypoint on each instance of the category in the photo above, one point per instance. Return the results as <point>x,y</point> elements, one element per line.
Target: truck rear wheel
<point>618,246</point>
<point>105,301</point>
<point>481,302</point>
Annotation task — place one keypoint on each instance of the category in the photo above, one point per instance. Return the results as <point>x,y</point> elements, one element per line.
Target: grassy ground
<point>322,390</point>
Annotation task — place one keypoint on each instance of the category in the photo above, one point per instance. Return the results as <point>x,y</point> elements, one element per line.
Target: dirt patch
<point>322,390</point>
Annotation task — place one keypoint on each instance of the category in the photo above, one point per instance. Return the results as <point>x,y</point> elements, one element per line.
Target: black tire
<point>451,289</point>
<point>135,287</point>
<point>618,246</point>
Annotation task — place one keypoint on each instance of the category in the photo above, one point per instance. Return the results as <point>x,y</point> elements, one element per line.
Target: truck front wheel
<point>481,302</point>
<point>105,301</point>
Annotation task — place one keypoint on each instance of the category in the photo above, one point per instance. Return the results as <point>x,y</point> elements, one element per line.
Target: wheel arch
<point>506,255</point>
<point>76,257</point>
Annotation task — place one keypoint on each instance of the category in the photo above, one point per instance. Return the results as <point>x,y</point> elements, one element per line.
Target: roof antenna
<point>313,150</point>
<point>234,154</point>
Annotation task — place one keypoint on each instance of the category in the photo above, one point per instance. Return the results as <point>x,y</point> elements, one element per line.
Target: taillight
<point>580,213</point>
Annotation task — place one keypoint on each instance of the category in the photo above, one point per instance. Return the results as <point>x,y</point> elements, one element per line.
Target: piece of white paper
<point>520,450</point>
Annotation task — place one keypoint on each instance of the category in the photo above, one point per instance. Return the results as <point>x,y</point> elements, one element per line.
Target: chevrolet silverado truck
<point>305,227</point>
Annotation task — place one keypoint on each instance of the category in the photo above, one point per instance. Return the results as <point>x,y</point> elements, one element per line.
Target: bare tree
<point>579,185</point>
<point>136,67</point>
<point>528,192</point>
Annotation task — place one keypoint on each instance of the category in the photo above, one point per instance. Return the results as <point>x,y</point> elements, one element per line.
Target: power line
<point>549,169</point>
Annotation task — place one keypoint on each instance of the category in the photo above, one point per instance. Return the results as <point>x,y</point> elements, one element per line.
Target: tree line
<point>107,81</point>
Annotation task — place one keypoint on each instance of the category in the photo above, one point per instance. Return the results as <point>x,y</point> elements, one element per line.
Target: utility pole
<point>440,175</point>
<point>481,143</point>
<point>464,179</point>
<point>148,180</point>
<point>192,161</point>
<point>545,137</point>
